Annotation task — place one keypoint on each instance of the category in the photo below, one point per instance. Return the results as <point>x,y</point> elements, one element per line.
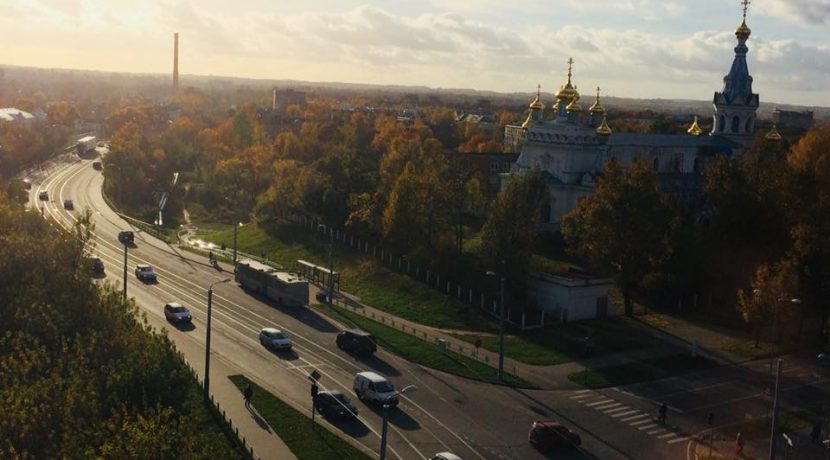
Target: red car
<point>547,435</point>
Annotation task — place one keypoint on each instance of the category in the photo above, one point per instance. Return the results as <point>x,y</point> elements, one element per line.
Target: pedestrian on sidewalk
<point>739,445</point>
<point>662,413</point>
<point>249,393</point>
<point>815,433</point>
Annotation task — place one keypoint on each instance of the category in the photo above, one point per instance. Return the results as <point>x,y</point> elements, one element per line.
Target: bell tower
<point>735,107</point>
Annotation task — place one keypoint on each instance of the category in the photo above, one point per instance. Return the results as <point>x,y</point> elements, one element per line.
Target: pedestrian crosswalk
<point>635,418</point>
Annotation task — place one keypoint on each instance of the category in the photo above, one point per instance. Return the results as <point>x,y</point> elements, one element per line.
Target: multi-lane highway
<point>446,413</point>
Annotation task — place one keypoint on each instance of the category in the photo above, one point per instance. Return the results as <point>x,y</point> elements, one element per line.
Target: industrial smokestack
<point>176,61</point>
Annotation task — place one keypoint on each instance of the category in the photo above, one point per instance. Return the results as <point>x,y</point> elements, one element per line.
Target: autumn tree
<point>626,225</point>
<point>809,187</point>
<point>770,302</point>
<point>511,226</point>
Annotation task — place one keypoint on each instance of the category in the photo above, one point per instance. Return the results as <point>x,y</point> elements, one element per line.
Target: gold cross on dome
<point>570,66</point>
<point>745,3</point>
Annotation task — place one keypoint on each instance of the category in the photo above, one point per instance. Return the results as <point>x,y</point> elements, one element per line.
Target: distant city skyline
<point>631,48</point>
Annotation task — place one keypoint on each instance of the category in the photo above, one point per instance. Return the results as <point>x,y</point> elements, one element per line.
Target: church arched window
<point>721,123</point>
<point>656,164</point>
<point>736,124</point>
<point>749,125</point>
<point>546,213</point>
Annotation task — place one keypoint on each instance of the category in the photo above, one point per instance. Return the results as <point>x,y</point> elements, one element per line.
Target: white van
<point>373,387</point>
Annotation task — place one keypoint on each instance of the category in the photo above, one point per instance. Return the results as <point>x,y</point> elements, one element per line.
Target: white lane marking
<point>667,435</point>
<point>634,417</point>
<point>648,420</point>
<point>582,391</point>
<point>655,431</point>
<point>623,414</point>
<point>607,406</point>
<point>684,438</point>
<point>583,396</point>
<point>650,426</point>
<point>617,410</point>
<point>597,403</point>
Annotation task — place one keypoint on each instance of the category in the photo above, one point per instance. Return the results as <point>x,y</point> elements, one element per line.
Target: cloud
<point>815,12</point>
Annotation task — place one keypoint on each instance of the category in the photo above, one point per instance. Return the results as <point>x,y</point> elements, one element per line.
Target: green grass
<point>638,371</point>
<point>306,441</point>
<point>360,275</point>
<point>787,421</point>
<point>422,352</point>
<point>747,349</point>
<point>563,343</point>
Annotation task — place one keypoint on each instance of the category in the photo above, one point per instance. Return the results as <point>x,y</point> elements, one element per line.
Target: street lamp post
<point>125,272</point>
<point>383,430</point>
<point>501,325</point>
<point>330,280</point>
<point>772,438</point>
<point>207,336</point>
<point>235,227</point>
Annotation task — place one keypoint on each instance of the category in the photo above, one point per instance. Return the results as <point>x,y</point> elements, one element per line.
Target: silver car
<point>177,313</point>
<point>275,339</point>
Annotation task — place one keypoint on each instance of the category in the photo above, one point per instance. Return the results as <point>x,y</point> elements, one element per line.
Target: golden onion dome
<point>773,134</point>
<point>695,130</point>
<point>567,92</point>
<point>537,103</point>
<point>574,105</point>
<point>603,129</point>
<point>743,31</point>
<point>597,108</point>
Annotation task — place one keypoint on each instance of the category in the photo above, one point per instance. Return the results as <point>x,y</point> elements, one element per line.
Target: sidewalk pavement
<point>252,428</point>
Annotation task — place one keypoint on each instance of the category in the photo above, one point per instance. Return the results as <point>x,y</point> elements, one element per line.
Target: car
<point>96,165</point>
<point>334,404</point>
<point>823,359</point>
<point>445,456</point>
<point>373,387</point>
<point>274,339</point>
<point>357,342</point>
<point>145,272</point>
<point>27,183</point>
<point>43,195</point>
<point>97,266</point>
<point>126,237</point>
<point>547,435</point>
<point>68,205</point>
<point>100,144</point>
<point>177,313</point>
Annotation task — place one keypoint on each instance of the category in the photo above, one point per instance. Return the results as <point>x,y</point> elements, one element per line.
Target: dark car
<point>177,313</point>
<point>69,205</point>
<point>547,435</point>
<point>96,165</point>
<point>334,404</point>
<point>126,237</point>
<point>357,342</point>
<point>43,196</point>
<point>145,273</point>
<point>97,266</point>
<point>823,359</point>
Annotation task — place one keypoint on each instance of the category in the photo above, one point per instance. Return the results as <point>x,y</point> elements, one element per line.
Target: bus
<point>283,287</point>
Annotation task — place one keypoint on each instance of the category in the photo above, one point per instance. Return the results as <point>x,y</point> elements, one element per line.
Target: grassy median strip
<point>422,352</point>
<point>306,441</point>
<point>638,371</point>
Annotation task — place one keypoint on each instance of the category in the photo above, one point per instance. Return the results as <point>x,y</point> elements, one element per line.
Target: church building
<point>570,145</point>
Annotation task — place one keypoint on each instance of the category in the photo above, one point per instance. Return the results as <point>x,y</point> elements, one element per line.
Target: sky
<point>669,49</point>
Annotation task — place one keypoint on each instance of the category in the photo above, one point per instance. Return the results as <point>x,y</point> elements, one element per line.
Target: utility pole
<point>331,266</point>
<point>125,273</point>
<point>772,436</point>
